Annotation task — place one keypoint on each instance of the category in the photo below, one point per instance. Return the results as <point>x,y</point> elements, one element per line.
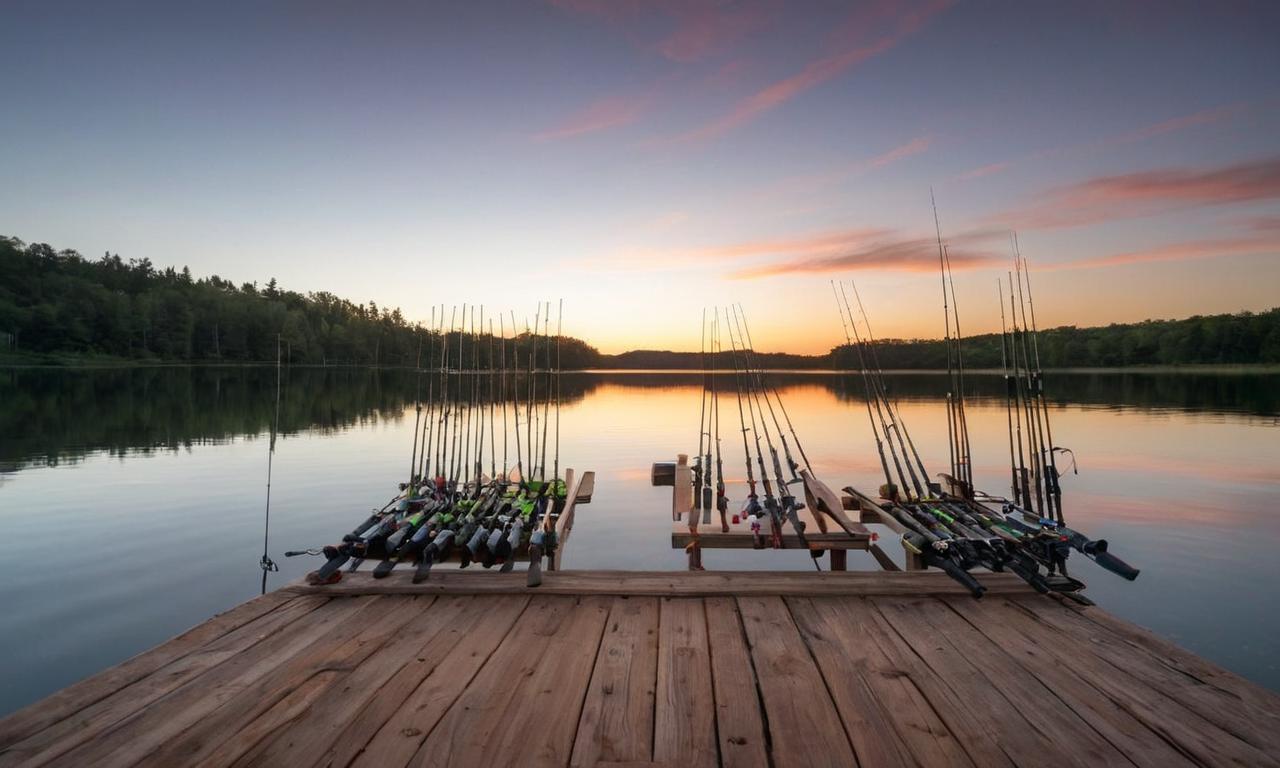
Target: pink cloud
<point>602,114</point>
<point>1203,117</point>
<point>1149,192</point>
<point>814,182</point>
<point>1267,241</point>
<point>696,30</point>
<point>814,73</point>
<point>985,170</point>
<point>889,251</point>
<point>705,28</point>
<point>1171,125</point>
<point>913,147</point>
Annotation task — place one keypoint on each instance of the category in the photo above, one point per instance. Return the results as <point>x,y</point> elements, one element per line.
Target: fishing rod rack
<point>695,527</point>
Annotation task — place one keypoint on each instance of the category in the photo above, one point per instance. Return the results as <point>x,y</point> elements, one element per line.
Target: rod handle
<point>1115,565</point>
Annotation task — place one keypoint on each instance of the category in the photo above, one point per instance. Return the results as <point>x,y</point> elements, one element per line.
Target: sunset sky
<point>645,159</point>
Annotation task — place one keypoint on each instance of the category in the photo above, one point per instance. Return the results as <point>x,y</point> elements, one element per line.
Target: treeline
<point>58,302</point>
<point>1240,339</point>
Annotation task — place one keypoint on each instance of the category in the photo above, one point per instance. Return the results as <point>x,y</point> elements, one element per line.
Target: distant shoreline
<point>73,362</point>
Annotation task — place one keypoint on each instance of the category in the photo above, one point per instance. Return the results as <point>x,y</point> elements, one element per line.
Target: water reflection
<point>48,416</point>
<point>156,478</point>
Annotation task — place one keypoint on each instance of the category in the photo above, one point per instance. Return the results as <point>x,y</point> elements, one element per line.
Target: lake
<point>132,499</point>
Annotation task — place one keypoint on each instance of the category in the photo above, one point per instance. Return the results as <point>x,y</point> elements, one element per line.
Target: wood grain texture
<point>617,715</point>
<point>90,722</point>
<point>389,730</point>
<point>839,634</point>
<point>667,583</point>
<point>658,669</point>
<point>151,728</point>
<point>278,696</point>
<point>523,706</point>
<point>739,723</point>
<point>684,723</point>
<point>69,700</point>
<point>804,728</point>
<point>1001,623</point>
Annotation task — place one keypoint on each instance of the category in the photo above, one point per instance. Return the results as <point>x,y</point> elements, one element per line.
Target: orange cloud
<point>814,73</point>
<point>1150,192</point>
<point>600,115</point>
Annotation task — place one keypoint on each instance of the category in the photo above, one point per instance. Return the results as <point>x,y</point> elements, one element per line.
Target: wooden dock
<point>655,669</point>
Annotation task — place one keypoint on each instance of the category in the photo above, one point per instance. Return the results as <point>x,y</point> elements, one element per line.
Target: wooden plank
<point>392,726</point>
<point>1210,704</point>
<point>952,708</point>
<point>587,488</point>
<point>92,721</point>
<point>140,734</point>
<point>564,522</point>
<point>310,736</point>
<point>66,702</point>
<point>713,538</point>
<point>1265,703</point>
<point>739,724</point>
<point>804,728</point>
<point>1000,623</point>
<point>523,707</point>
<point>837,633</point>
<point>275,699</point>
<point>684,722</point>
<point>663,583</point>
<point>1026,692</point>
<point>868,725</point>
<point>1027,739</point>
<point>617,716</point>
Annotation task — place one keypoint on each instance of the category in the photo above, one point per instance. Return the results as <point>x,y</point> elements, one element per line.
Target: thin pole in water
<point>267,564</point>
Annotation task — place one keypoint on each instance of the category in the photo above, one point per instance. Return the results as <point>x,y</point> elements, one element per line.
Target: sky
<point>644,160</point>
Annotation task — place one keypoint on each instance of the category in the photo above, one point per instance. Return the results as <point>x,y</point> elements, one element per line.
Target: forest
<point>60,303</point>
<point>57,304</point>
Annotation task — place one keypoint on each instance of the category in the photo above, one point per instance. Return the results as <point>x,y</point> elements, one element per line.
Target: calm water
<point>131,500</point>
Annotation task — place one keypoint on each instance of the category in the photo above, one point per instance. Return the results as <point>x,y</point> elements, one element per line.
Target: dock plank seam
<point>68,702</point>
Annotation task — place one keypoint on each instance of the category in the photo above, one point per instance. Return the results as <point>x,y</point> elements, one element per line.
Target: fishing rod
<point>785,416</point>
<point>873,395</point>
<point>1009,395</point>
<point>698,501</point>
<point>531,405</point>
<point>946,315</point>
<point>1052,476</point>
<point>771,505</point>
<point>937,551</point>
<point>428,426</point>
<point>751,508</point>
<point>789,506</point>
<point>722,501</point>
<point>417,399</point>
<point>555,476</point>
<point>900,425</point>
<point>493,392</point>
<point>765,388</point>
<point>502,353</point>
<point>1022,489</point>
<point>1035,436</point>
<point>862,366</point>
<point>515,405</point>
<point>962,444</point>
<point>546,407</point>
<point>266,563</point>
